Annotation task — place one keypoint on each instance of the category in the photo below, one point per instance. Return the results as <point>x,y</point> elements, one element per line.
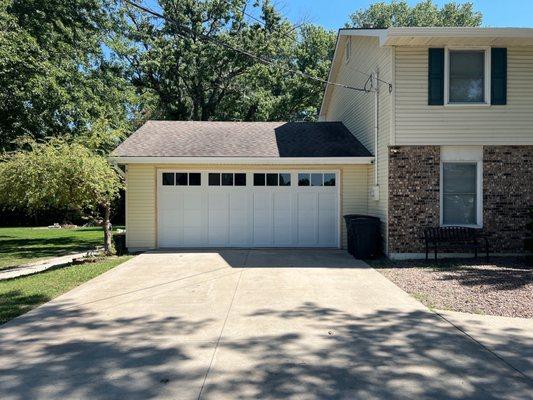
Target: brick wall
<point>507,194</point>
<point>414,173</point>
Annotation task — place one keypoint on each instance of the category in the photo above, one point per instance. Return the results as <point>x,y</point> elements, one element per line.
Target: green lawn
<point>20,295</point>
<point>23,245</point>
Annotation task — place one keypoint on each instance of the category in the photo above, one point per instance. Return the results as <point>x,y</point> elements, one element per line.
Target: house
<point>442,136</point>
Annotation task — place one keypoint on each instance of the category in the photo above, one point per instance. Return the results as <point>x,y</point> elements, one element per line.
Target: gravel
<point>502,287</point>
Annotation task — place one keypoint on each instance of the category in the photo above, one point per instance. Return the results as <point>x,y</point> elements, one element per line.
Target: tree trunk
<point>106,224</point>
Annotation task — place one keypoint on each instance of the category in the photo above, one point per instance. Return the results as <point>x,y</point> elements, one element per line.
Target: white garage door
<point>252,209</point>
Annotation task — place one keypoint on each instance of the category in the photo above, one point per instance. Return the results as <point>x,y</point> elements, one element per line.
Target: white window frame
<point>486,102</point>
<point>479,192</point>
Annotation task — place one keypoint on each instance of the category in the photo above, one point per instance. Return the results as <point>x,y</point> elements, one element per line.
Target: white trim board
<point>244,160</point>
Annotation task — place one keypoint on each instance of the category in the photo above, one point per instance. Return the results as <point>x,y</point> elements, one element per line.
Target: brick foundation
<point>414,180</point>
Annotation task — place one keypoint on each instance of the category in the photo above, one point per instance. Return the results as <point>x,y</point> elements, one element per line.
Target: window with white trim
<point>467,76</point>
<point>461,193</point>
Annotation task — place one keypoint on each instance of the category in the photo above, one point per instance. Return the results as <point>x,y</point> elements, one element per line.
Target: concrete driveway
<point>303,324</point>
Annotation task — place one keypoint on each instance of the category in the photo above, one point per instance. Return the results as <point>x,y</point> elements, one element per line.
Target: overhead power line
<point>226,45</point>
<point>369,75</point>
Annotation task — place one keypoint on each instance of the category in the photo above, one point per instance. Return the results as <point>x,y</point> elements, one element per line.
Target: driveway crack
<point>220,336</point>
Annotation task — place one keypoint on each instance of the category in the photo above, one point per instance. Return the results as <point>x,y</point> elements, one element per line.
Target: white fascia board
<point>242,160</point>
<point>453,32</point>
<point>379,33</point>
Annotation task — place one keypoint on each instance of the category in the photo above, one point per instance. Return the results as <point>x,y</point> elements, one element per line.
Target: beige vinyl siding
<point>419,124</point>
<point>140,206</point>
<point>141,202</point>
<point>356,110</point>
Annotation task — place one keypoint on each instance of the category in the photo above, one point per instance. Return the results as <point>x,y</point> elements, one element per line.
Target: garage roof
<point>241,139</point>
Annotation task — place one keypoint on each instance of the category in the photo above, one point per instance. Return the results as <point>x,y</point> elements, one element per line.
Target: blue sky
<point>333,14</point>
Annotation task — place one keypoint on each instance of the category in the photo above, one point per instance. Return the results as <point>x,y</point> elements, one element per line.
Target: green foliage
<point>425,13</point>
<point>58,175</point>
<point>184,77</point>
<point>55,78</point>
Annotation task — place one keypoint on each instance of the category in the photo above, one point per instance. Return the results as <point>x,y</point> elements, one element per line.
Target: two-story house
<point>451,128</point>
<point>443,135</point>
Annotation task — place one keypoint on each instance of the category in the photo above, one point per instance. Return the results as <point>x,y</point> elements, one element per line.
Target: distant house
<point>445,140</point>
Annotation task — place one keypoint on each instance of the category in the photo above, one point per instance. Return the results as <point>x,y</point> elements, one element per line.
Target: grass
<point>24,245</point>
<point>20,295</point>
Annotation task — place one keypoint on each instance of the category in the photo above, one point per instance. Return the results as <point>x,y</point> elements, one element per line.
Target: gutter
<point>243,160</point>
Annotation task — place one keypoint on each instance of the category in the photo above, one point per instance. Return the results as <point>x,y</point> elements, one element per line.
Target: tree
<point>57,76</point>
<point>185,77</point>
<point>425,13</point>
<point>60,175</point>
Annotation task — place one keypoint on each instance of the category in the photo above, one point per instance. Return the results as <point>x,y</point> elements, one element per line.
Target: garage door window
<point>304,179</point>
<point>168,179</point>
<point>240,179</point>
<point>284,179</point>
<point>181,179</point>
<point>316,179</point>
<point>272,179</point>
<point>227,179</point>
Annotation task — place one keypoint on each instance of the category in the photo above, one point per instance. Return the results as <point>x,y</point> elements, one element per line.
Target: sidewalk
<point>510,339</point>
<point>39,266</point>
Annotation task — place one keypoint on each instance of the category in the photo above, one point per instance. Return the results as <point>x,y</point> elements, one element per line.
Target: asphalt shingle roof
<point>241,139</point>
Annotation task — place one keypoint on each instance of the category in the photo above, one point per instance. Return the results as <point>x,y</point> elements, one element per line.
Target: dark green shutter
<point>498,80</point>
<point>436,77</point>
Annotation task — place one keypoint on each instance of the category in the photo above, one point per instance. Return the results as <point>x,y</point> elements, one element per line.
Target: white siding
<point>356,110</point>
<point>419,124</point>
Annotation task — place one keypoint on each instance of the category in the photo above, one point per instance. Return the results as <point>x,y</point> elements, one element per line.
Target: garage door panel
<point>243,216</point>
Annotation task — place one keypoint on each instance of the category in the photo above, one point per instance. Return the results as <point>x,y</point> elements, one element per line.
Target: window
<point>240,179</point>
<point>329,179</point>
<point>284,179</point>
<point>460,197</point>
<point>272,179</point>
<point>227,179</point>
<point>182,179</point>
<point>214,179</point>
<point>195,179</point>
<point>259,179</point>
<point>316,179</point>
<point>303,180</point>
<point>168,179</point>
<point>467,76</point>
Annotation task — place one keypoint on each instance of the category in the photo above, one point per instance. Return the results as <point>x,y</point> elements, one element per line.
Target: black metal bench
<point>455,237</point>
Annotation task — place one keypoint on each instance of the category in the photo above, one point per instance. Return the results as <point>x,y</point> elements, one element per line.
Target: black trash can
<point>364,237</point>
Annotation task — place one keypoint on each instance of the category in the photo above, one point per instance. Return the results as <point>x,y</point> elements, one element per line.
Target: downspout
<point>375,84</point>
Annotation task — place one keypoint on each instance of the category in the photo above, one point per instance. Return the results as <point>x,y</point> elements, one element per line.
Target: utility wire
<point>366,74</point>
<point>228,46</point>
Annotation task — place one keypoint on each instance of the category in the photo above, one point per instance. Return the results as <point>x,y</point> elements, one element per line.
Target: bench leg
<point>436,247</point>
<point>475,252</point>
<point>427,250</point>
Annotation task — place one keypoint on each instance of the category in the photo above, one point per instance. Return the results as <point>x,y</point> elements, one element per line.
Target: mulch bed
<point>503,287</point>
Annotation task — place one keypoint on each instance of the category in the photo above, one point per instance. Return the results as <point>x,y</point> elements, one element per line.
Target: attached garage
<point>207,184</point>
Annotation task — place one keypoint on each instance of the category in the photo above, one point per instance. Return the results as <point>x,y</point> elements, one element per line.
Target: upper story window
<point>467,76</point>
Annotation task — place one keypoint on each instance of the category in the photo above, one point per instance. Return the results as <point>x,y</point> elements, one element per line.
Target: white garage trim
<point>243,160</point>
<point>293,236</point>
